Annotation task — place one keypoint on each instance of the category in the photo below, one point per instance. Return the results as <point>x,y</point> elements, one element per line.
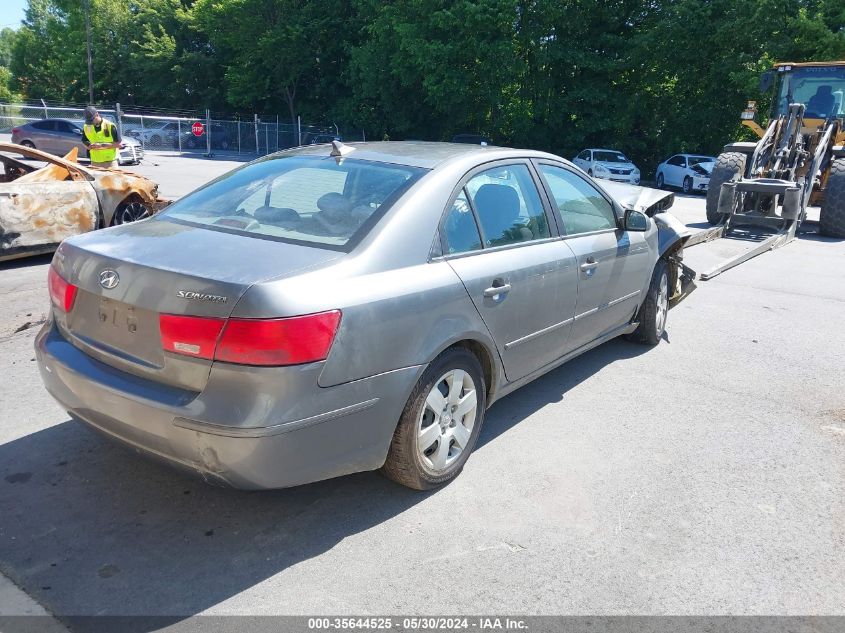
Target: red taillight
<point>192,336</point>
<point>62,293</point>
<point>15,130</point>
<point>288,341</point>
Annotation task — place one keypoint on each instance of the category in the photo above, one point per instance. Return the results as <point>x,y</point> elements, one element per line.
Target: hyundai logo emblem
<point>109,278</point>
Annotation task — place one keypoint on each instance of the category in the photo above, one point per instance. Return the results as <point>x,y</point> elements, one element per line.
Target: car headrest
<point>275,214</point>
<point>334,205</point>
<point>498,208</point>
<point>823,91</point>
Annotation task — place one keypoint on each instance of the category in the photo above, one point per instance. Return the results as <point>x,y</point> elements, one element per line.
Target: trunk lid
<point>129,275</point>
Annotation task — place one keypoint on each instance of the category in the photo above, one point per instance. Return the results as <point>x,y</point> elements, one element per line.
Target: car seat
<point>821,103</point>
<point>498,209</point>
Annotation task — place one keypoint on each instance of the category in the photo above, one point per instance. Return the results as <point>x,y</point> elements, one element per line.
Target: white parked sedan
<point>608,164</point>
<point>689,172</point>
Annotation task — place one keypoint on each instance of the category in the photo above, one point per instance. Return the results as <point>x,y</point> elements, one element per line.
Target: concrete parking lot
<point>703,476</point>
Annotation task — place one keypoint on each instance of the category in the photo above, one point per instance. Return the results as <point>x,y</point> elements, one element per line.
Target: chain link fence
<point>185,132</point>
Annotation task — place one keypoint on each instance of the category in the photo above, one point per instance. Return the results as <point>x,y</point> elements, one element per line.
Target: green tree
<point>432,68</point>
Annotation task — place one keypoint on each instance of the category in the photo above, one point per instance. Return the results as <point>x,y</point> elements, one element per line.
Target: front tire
<point>655,308</point>
<point>660,181</point>
<point>440,423</point>
<point>832,217</point>
<point>130,211</point>
<point>687,184</point>
<point>728,166</point>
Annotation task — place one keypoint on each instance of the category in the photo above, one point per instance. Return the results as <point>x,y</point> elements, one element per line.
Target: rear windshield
<point>303,199</point>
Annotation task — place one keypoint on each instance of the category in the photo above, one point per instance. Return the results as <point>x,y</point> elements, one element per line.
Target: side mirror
<point>635,220</point>
<point>766,80</point>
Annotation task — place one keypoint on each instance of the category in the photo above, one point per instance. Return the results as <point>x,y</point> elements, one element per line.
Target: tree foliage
<point>648,76</point>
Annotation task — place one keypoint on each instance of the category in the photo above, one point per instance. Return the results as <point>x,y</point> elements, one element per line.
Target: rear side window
<point>582,208</point>
<point>508,205</point>
<point>312,200</point>
<point>459,227</point>
<point>44,125</point>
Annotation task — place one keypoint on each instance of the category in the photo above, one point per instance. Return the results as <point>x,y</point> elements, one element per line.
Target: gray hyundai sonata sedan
<point>342,308</point>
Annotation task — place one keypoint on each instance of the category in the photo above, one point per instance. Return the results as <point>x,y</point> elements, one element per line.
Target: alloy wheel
<point>131,212</point>
<point>446,422</point>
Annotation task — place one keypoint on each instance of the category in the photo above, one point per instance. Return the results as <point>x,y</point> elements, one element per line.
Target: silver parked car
<point>334,309</point>
<point>59,136</point>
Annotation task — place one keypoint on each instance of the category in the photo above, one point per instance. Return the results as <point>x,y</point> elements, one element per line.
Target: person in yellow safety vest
<point>102,139</point>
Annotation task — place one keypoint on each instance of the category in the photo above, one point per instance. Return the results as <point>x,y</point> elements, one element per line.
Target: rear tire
<point>28,144</point>
<point>832,217</point>
<point>428,447</point>
<point>728,166</point>
<point>655,308</point>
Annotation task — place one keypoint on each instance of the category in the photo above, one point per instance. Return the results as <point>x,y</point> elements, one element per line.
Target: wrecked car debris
<point>40,207</point>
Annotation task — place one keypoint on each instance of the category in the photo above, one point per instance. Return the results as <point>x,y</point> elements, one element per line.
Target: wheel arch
<point>487,356</point>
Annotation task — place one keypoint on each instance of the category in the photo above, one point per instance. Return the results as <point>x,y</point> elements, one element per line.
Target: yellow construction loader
<point>798,161</point>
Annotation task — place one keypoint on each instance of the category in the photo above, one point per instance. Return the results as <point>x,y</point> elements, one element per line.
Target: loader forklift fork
<point>780,176</point>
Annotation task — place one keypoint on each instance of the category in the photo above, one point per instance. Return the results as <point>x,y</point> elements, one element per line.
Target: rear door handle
<point>494,290</point>
<point>589,264</point>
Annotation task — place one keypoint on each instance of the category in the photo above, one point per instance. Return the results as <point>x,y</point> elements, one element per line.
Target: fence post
<point>364,134</point>
<point>257,151</point>
<point>119,116</point>
<point>46,116</point>
<point>299,129</point>
<point>179,134</point>
<point>277,132</point>
<point>208,132</point>
<point>143,136</point>
<point>239,136</point>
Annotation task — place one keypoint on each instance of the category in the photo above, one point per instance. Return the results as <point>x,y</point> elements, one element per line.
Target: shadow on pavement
<point>89,528</point>
<point>553,386</point>
<point>26,262</point>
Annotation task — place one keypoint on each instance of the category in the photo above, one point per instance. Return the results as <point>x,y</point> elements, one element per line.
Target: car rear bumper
<point>330,432</point>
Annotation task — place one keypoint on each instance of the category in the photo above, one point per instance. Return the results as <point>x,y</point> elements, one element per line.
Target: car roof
<point>54,119</point>
<point>605,149</point>
<point>423,154</point>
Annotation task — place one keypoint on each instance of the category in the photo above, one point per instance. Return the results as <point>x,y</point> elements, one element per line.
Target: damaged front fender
<point>655,203</point>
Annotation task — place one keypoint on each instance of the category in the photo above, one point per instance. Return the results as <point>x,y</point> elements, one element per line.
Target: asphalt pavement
<point>703,476</point>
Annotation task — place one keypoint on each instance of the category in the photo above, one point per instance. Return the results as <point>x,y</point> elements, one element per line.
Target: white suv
<point>608,164</point>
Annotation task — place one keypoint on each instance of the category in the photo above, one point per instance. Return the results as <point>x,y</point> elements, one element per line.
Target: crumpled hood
<point>707,167</point>
<point>645,199</point>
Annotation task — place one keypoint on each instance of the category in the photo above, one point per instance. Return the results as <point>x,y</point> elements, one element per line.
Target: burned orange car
<point>41,206</point>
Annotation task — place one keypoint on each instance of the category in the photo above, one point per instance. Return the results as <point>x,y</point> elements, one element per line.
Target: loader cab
<point>820,87</point>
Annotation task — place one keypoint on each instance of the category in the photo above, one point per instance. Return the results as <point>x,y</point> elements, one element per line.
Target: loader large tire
<point>728,165</point>
<point>832,218</point>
